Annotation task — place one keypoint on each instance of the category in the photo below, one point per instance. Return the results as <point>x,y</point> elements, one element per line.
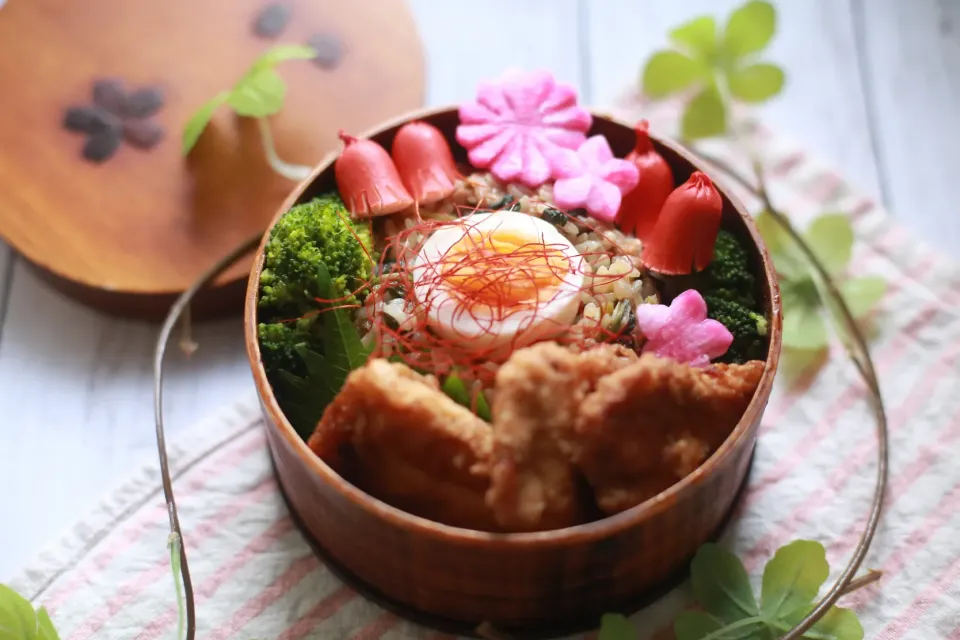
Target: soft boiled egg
<point>497,280</point>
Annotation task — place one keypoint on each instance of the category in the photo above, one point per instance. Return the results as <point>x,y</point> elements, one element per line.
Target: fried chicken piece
<point>539,390</point>
<point>652,423</point>
<point>394,434</point>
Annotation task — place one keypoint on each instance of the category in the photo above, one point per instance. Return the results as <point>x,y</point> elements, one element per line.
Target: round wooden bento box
<point>534,582</point>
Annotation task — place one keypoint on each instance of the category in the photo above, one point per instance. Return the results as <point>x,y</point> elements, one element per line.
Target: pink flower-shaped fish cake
<point>594,179</point>
<point>682,331</point>
<point>519,126</point>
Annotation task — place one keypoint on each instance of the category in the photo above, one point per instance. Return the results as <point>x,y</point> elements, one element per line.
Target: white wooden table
<point>872,86</point>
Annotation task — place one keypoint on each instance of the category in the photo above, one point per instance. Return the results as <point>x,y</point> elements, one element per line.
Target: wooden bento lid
<point>129,233</point>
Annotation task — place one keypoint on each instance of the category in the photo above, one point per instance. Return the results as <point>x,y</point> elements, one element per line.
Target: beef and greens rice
<point>620,282</point>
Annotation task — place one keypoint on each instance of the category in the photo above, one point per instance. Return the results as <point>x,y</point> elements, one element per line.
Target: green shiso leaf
<point>304,399</point>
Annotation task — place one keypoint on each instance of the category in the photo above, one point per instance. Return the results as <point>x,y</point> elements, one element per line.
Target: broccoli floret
<point>748,327</point>
<point>729,276</point>
<point>308,234</point>
<point>278,343</point>
<point>727,286</point>
<point>319,230</point>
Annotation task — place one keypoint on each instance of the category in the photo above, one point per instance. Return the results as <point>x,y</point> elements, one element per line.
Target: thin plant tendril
<point>166,330</point>
<point>859,353</point>
<point>294,172</point>
<point>422,348</point>
<point>174,544</point>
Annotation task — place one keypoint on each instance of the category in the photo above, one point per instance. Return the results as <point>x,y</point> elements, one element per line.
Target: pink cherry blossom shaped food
<point>592,178</point>
<point>517,127</point>
<point>682,331</point>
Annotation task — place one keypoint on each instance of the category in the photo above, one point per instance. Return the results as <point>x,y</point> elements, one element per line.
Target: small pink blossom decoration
<point>593,179</point>
<point>682,331</point>
<point>517,127</point>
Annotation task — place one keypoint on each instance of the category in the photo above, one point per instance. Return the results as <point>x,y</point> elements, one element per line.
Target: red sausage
<point>368,180</point>
<point>425,162</point>
<point>686,230</point>
<point>641,206</point>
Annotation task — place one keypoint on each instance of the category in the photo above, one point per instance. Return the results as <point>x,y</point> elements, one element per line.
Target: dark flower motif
<point>116,115</point>
<point>271,20</point>
<point>329,49</point>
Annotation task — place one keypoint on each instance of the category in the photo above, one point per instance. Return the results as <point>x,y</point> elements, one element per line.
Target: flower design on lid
<point>593,179</point>
<point>518,127</point>
<point>116,114</point>
<point>682,331</point>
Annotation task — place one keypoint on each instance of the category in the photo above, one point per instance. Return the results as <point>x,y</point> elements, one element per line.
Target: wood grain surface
<point>129,234</point>
<point>75,385</point>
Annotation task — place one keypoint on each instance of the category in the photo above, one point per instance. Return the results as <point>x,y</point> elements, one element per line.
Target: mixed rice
<point>607,301</point>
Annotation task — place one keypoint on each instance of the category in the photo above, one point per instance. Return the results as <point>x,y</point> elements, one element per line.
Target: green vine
<point>718,68</point>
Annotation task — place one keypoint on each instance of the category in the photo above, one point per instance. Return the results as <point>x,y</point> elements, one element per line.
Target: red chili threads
<point>484,288</point>
<point>641,206</point>
<point>686,230</point>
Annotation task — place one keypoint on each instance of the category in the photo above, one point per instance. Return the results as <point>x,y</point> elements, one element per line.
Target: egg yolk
<point>503,269</point>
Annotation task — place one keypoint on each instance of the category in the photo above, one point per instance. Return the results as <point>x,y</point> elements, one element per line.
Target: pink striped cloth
<point>812,477</point>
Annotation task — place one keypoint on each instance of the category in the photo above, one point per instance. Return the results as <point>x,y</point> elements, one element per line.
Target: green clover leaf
<point>696,625</point>
<point>791,582</point>
<point>862,294</point>
<point>721,66</point>
<point>749,29</point>
<point>804,328</point>
<point>721,584</point>
<point>829,235</point>
<point>668,72</point>
<point>698,37</point>
<point>792,578</point>
<point>837,624</point>
<point>831,238</point>
<point>705,115</point>
<point>756,82</point>
<point>614,626</point>
<point>19,621</point>
<point>17,617</point>
<point>788,262</point>
<point>45,628</point>
<point>803,295</point>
